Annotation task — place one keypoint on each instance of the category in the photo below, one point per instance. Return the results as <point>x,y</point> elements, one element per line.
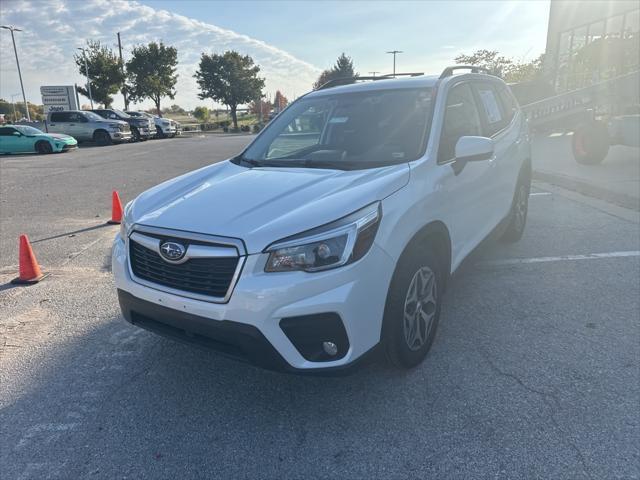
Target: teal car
<point>26,139</point>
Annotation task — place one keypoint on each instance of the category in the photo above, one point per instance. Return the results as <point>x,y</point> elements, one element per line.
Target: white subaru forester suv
<point>332,235</point>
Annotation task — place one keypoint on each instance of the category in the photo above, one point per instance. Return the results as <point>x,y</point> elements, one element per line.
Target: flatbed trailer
<point>603,114</point>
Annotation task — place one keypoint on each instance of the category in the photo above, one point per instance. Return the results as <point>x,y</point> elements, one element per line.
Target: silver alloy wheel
<point>521,208</point>
<point>420,308</point>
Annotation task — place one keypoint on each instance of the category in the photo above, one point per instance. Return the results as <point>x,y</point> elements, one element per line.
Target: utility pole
<point>86,70</point>
<point>13,39</point>
<point>124,88</point>
<point>394,53</point>
<point>15,115</point>
<point>373,74</point>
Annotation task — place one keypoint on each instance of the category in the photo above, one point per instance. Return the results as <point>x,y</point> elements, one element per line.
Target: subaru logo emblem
<point>172,251</point>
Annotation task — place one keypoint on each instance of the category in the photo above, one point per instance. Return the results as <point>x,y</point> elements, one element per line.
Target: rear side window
<point>6,131</point>
<point>461,119</point>
<point>60,117</point>
<point>509,103</point>
<point>490,105</point>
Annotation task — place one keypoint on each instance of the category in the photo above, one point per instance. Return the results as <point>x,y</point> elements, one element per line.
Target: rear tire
<point>413,308</point>
<point>102,138</point>
<point>44,148</point>
<point>590,143</point>
<point>518,214</point>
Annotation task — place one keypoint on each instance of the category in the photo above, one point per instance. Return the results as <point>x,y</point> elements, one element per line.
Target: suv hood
<point>262,205</point>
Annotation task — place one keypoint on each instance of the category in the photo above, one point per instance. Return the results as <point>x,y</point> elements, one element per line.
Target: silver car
<point>86,126</point>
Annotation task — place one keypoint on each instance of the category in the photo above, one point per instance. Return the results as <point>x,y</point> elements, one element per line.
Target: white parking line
<point>561,258</point>
<point>538,194</point>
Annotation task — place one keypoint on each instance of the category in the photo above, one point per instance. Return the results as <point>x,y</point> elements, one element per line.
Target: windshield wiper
<point>249,161</point>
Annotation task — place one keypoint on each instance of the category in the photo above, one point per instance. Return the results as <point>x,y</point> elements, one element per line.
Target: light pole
<point>86,70</point>
<point>24,97</point>
<point>394,53</point>
<point>15,115</point>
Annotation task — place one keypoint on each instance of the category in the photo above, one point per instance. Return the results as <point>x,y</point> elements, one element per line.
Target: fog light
<point>330,348</point>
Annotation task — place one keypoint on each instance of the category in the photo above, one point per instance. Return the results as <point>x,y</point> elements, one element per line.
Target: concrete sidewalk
<point>616,179</point>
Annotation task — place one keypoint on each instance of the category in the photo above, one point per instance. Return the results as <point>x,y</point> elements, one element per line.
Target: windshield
<point>121,113</point>
<point>93,116</point>
<point>134,114</point>
<point>27,130</point>
<point>346,131</point>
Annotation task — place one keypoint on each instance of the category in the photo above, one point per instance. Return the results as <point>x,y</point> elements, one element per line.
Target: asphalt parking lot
<point>534,372</point>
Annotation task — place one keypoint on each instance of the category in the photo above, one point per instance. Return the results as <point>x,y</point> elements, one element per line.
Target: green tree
<point>8,108</point>
<point>343,68</point>
<point>105,72</point>
<point>507,68</point>
<point>202,114</point>
<point>489,59</point>
<point>230,78</point>
<point>152,73</point>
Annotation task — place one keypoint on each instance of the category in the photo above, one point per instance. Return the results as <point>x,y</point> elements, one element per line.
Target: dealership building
<point>591,41</point>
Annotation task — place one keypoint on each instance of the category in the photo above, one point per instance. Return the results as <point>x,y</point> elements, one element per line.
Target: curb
<point>620,199</point>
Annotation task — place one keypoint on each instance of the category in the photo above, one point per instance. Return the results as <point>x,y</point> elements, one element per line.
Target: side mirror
<point>16,134</point>
<point>473,149</point>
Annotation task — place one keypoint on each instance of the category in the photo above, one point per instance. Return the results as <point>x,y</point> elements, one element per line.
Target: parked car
<point>333,235</point>
<point>23,138</point>
<point>141,128</point>
<point>163,126</point>
<point>87,126</point>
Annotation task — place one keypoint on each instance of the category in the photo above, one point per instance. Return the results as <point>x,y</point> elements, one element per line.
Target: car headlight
<point>125,223</point>
<point>339,243</point>
<point>114,126</point>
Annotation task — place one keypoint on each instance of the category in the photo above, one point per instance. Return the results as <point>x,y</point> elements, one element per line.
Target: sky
<point>291,41</point>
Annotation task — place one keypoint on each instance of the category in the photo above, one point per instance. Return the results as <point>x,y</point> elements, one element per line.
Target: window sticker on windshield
<point>490,105</point>
<point>338,120</point>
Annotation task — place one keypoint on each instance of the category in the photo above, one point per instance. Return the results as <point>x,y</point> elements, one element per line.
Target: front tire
<point>44,148</point>
<point>159,133</point>
<point>413,306</point>
<point>102,138</point>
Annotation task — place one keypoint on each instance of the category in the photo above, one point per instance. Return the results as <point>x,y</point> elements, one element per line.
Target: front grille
<point>125,128</point>
<point>203,276</point>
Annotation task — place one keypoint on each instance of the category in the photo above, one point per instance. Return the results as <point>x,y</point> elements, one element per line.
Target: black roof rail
<point>336,82</point>
<point>447,72</point>
<point>408,74</point>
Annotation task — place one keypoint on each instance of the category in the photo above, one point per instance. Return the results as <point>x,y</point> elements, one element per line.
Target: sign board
<point>59,98</point>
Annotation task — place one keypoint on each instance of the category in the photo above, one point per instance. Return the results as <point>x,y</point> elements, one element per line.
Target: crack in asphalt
<point>544,396</point>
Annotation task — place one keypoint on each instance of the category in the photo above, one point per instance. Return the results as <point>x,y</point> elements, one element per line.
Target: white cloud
<point>54,28</point>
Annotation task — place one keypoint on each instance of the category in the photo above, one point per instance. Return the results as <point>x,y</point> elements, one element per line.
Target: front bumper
<point>248,325</point>
<point>121,136</point>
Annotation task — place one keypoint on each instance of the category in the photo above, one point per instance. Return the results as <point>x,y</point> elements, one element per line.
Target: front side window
<point>461,119</point>
<point>76,117</point>
<point>346,131</point>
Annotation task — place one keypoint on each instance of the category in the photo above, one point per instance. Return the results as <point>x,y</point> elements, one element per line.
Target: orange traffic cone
<point>116,209</point>
<point>29,269</point>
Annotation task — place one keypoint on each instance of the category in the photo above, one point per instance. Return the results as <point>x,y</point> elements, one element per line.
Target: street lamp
<point>13,38</point>
<point>86,70</point>
<point>394,53</point>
